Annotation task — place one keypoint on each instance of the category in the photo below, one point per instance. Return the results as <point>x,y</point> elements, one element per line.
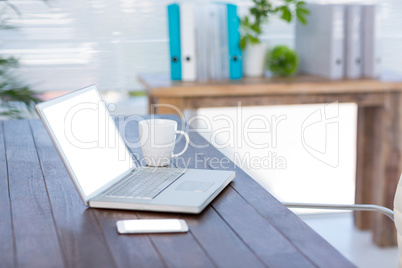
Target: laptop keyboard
<point>144,183</point>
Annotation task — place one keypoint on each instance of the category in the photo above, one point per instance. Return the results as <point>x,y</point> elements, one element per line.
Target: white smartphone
<point>151,226</point>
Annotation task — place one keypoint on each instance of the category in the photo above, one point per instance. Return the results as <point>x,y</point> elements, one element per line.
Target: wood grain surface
<point>7,247</point>
<point>159,85</point>
<point>244,226</point>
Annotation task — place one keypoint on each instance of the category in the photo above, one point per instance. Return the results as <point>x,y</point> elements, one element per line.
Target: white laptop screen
<point>88,139</point>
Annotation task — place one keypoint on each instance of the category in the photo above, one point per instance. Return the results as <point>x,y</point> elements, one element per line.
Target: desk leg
<point>151,103</point>
<point>367,161</point>
<point>384,186</point>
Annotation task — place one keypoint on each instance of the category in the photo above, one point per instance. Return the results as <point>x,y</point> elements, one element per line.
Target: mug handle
<point>187,142</point>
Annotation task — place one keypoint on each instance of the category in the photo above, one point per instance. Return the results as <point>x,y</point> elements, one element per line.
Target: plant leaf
<point>301,14</point>
<point>301,18</point>
<point>303,11</point>
<point>300,4</point>
<point>286,14</point>
<point>254,11</point>
<point>243,43</point>
<point>256,28</point>
<point>254,39</point>
<point>244,21</point>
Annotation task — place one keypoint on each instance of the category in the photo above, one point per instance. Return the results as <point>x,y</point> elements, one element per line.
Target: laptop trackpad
<point>194,186</point>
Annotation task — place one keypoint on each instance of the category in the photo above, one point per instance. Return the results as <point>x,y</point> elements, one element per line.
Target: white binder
<point>188,43</point>
<point>202,38</point>
<point>371,41</point>
<point>353,42</point>
<point>215,71</point>
<point>212,41</point>
<point>223,41</point>
<point>320,43</point>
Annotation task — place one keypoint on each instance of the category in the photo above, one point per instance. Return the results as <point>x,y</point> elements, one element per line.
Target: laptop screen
<point>88,138</point>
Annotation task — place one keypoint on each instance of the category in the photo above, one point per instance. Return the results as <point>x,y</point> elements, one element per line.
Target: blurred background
<point>66,45</point>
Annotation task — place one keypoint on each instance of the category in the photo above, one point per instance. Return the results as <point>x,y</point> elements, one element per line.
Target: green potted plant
<point>282,61</point>
<point>253,49</point>
<point>15,98</point>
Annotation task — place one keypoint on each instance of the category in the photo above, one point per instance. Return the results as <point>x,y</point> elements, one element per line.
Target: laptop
<point>103,170</point>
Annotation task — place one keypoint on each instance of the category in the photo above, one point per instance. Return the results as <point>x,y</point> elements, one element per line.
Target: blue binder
<point>174,41</point>
<point>235,55</point>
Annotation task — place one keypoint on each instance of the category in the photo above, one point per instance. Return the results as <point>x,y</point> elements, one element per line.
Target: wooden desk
<point>45,224</point>
<point>379,133</point>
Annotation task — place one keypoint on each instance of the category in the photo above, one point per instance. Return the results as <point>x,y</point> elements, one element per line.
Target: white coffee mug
<point>158,139</point>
